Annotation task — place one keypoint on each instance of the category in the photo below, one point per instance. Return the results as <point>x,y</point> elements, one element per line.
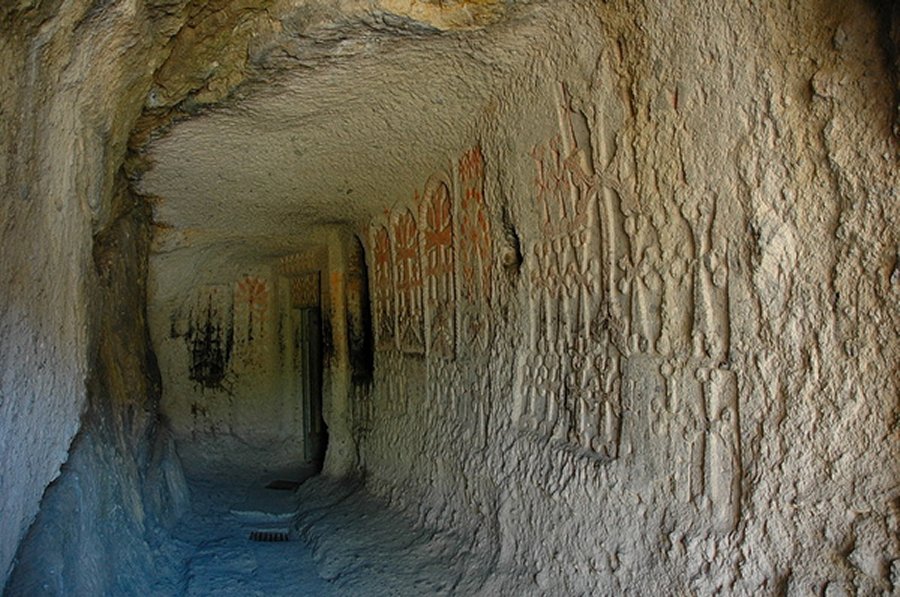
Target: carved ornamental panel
<point>383,307</point>
<point>475,258</point>
<point>408,282</point>
<point>438,264</point>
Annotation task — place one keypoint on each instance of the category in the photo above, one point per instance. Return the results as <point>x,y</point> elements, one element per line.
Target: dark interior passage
<point>309,349</point>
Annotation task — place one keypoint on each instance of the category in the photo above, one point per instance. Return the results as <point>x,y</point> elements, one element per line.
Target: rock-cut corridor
<point>414,297</point>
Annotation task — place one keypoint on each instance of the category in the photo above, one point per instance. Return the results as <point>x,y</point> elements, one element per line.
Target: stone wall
<point>641,336</point>
<point>74,82</point>
<point>225,325</point>
<point>102,526</point>
<point>222,336</point>
<point>639,332</point>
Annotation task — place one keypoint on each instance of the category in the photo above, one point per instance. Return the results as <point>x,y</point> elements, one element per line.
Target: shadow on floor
<point>328,537</point>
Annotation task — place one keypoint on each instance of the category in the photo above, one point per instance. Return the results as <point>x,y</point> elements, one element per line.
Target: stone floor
<point>224,561</point>
<point>343,541</point>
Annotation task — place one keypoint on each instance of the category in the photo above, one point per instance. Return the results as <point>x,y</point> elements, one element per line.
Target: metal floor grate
<point>269,536</point>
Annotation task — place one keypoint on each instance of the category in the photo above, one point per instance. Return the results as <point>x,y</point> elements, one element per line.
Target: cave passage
<point>457,297</point>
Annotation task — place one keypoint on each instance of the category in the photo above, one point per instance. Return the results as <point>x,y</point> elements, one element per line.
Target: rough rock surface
<point>103,523</point>
<point>74,78</point>
<point>84,82</point>
<point>636,319</point>
<point>690,379</point>
<point>634,271</point>
<point>363,545</point>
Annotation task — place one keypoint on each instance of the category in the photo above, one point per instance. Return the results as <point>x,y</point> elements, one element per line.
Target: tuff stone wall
<point>76,77</point>
<point>84,83</point>
<point>222,339</point>
<point>640,330</point>
<point>645,327</point>
<point>102,526</point>
<point>225,328</point>
<point>66,114</point>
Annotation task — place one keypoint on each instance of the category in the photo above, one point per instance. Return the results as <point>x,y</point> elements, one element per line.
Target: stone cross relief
<point>432,285</point>
<point>383,307</point>
<point>601,293</point>
<point>438,261</point>
<point>474,250</point>
<point>567,385</point>
<point>408,283</point>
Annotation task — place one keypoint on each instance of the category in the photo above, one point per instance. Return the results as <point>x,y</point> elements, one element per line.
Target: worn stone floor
<point>343,541</point>
<point>222,560</point>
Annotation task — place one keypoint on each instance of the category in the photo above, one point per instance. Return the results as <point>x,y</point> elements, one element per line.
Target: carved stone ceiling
<point>327,139</point>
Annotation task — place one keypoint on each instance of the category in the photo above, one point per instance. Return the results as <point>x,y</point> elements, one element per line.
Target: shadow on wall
<point>122,485</point>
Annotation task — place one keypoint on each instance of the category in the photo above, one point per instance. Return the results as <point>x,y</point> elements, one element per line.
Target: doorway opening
<point>309,350</point>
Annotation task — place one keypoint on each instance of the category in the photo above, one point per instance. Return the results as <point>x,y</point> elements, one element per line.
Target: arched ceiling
<point>325,132</point>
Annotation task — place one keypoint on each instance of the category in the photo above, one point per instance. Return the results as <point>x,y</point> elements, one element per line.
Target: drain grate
<point>269,536</point>
<point>283,485</point>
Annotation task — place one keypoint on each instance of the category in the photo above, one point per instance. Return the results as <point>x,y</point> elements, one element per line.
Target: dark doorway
<point>309,340</point>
